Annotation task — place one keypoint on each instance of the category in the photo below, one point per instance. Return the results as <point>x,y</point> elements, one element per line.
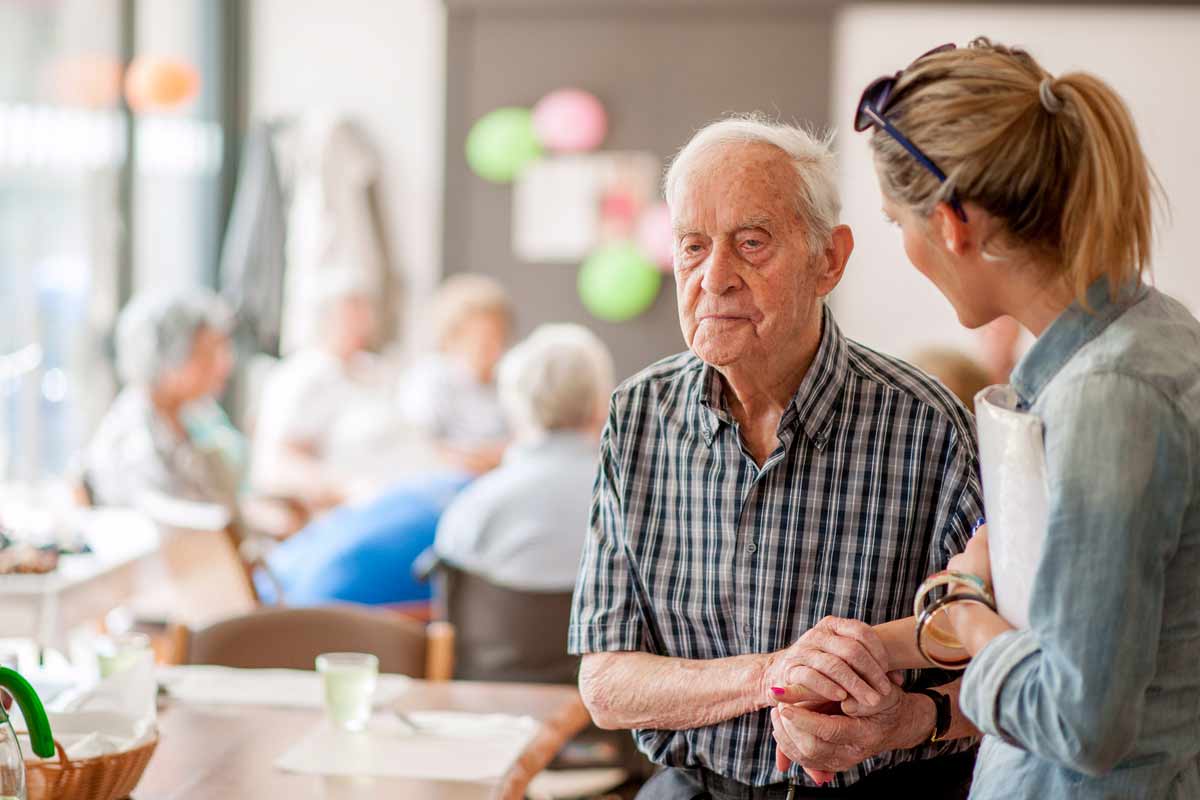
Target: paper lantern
<point>501,144</point>
<point>160,84</point>
<point>617,283</point>
<point>656,237</point>
<point>570,121</point>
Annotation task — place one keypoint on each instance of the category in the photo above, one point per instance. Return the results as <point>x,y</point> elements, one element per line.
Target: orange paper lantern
<point>160,84</point>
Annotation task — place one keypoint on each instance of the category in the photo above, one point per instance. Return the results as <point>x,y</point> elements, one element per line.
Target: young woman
<point>1018,193</point>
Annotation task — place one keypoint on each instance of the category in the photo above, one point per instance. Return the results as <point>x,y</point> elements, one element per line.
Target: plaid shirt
<point>694,552</point>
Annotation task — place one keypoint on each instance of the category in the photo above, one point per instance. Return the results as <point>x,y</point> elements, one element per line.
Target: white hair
<point>817,201</point>
<point>157,331</point>
<point>558,378</point>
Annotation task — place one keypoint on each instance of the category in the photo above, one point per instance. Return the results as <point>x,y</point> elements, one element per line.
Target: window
<point>94,202</point>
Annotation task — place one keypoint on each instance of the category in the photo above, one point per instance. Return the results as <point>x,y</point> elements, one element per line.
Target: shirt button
<point>751,548</point>
<point>746,629</point>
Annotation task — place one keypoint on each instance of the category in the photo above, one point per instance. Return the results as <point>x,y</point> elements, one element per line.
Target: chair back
<point>504,634</point>
<point>292,638</point>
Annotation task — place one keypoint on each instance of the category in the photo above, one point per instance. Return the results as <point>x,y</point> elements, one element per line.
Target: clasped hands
<point>834,702</point>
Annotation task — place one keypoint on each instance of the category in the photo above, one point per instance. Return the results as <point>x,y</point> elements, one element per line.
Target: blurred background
<point>277,280</point>
<point>124,126</point>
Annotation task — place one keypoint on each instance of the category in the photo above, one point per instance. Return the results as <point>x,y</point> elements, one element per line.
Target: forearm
<point>637,690</point>
<point>900,638</point>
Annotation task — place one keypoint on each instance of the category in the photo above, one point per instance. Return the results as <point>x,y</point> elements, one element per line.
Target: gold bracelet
<point>927,615</point>
<point>948,577</point>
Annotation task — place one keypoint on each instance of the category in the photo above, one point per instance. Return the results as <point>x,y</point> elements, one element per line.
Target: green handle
<point>31,708</point>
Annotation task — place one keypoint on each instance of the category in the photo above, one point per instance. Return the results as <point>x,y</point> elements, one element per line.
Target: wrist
<point>764,666</point>
<point>921,721</point>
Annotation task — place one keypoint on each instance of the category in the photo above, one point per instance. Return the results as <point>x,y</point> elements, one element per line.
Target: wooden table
<point>227,752</point>
<point>83,587</point>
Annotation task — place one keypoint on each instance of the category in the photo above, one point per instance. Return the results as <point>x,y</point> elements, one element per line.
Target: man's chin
<point>718,356</point>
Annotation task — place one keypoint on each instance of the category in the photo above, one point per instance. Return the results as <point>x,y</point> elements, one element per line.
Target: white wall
<point>382,62</point>
<point>1151,56</point>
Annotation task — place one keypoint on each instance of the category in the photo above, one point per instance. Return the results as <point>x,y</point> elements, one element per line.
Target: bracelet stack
<point>976,591</point>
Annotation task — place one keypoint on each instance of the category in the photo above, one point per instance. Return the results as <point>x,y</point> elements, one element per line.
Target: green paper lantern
<point>617,283</point>
<point>502,143</point>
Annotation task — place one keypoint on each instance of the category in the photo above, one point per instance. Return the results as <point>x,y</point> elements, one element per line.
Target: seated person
<point>165,439</point>
<point>522,525</point>
<point>361,553</point>
<point>451,395</point>
<point>313,394</point>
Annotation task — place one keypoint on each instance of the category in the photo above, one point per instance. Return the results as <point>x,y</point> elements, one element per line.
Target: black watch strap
<point>941,703</point>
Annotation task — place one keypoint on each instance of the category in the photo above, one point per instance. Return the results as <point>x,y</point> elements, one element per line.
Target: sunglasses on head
<point>873,106</point>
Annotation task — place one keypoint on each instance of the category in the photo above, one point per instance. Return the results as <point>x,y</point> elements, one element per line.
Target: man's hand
<point>831,743</point>
<point>835,660</point>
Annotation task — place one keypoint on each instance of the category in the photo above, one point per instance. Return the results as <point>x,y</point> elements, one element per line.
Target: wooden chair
<point>292,638</point>
<point>504,634</point>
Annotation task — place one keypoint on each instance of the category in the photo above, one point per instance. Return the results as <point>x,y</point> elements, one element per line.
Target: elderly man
<point>764,498</point>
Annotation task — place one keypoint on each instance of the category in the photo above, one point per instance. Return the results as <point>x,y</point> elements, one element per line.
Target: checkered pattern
<point>694,552</point>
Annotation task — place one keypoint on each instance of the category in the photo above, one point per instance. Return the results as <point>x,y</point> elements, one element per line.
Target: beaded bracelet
<point>926,616</point>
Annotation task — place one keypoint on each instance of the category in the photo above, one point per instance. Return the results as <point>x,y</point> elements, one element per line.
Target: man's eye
<point>692,249</point>
<point>753,244</point>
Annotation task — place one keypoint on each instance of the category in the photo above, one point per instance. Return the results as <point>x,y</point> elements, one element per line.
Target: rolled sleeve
<point>993,667</point>
<point>605,615</point>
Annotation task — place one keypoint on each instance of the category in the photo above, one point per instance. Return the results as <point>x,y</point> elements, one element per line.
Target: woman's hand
<point>975,559</point>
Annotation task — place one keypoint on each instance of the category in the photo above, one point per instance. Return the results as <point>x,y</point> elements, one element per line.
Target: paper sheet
<point>280,688</point>
<point>450,746</point>
<point>1013,462</point>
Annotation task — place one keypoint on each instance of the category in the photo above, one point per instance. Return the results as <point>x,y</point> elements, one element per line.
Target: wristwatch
<point>941,704</point>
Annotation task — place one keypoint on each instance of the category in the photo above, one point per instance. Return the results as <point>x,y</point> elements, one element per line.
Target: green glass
<point>115,654</point>
<point>12,766</point>
<point>349,683</point>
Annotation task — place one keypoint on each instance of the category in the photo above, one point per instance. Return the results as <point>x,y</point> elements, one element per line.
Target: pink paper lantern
<point>655,236</point>
<point>570,121</point>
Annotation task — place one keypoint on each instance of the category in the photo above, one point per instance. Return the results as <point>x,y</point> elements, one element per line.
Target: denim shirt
<point>1100,697</point>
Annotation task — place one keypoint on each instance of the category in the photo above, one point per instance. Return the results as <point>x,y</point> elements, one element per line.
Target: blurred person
<point>363,552</point>
<point>315,393</point>
<point>1048,218</point>
<point>165,437</point>
<point>957,371</point>
<point>451,395</point>
<point>522,525</point>
<point>775,474</point>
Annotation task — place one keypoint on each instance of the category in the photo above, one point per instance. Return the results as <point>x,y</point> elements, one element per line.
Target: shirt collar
<point>1070,331</point>
<point>812,408</point>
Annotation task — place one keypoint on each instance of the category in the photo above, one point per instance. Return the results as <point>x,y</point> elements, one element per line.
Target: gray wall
<point>661,68</point>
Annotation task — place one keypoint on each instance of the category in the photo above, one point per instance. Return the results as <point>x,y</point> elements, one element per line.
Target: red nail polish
<point>779,692</point>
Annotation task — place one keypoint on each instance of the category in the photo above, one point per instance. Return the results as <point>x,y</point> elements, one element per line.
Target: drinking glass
<point>349,682</point>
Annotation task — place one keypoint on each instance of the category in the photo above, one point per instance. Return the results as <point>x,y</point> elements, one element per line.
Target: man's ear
<point>948,229</point>
<point>834,259</point>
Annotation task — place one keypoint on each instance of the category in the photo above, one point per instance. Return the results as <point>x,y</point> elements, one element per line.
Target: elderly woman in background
<point>315,394</point>
<point>165,439</point>
<point>451,396</point>
<point>523,525</point>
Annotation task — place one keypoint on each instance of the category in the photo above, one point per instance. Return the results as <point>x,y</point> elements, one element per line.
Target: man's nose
<point>720,273</point>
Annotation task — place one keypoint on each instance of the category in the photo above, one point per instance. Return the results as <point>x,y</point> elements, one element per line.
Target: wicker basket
<point>110,777</point>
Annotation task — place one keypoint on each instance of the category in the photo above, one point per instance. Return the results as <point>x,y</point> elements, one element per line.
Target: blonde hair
<point>817,201</point>
<point>462,297</point>
<point>1057,160</point>
<point>557,379</point>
